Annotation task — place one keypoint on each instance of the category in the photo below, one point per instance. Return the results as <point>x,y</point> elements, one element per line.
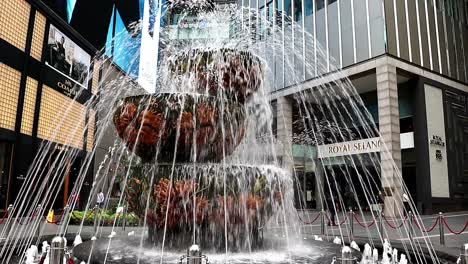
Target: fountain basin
<point>275,251</point>
<point>181,126</point>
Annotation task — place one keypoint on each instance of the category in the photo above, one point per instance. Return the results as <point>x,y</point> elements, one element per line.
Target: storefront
<point>45,70</point>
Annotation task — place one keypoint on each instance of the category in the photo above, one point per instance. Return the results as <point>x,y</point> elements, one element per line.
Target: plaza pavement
<point>310,226</point>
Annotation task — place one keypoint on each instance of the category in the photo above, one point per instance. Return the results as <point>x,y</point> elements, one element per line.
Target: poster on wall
<point>67,59</point>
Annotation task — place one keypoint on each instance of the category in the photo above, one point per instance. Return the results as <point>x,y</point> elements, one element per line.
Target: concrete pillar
<point>284,131</point>
<point>389,125</point>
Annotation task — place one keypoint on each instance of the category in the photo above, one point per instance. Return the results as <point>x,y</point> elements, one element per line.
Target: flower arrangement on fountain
<point>183,205</point>
<point>198,125</point>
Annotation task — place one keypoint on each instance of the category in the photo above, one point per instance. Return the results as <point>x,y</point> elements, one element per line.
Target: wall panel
<point>38,36</point>
<point>29,106</point>
<point>14,22</point>
<point>9,91</point>
<point>56,128</point>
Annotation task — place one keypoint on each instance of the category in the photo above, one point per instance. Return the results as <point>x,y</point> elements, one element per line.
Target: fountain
<point>198,160</point>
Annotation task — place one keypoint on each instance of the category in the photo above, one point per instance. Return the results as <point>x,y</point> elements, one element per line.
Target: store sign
<point>437,141</point>
<point>350,148</point>
<point>67,64</point>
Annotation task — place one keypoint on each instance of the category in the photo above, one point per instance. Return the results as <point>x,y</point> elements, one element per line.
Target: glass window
<point>320,4</point>
<point>360,25</point>
<point>333,35</point>
<point>377,27</point>
<point>321,39</point>
<point>309,38</point>
<point>297,10</point>
<point>346,33</point>
<point>308,7</point>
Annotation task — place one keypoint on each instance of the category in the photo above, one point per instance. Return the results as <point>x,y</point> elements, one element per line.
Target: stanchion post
<point>410,226</point>
<point>8,222</point>
<point>64,213</point>
<point>351,225</point>
<point>39,222</point>
<point>124,219</point>
<point>441,229</point>
<point>96,211</point>
<point>380,222</point>
<point>322,223</point>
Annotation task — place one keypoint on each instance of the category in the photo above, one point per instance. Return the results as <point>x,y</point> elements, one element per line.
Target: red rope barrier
<point>344,220</point>
<point>392,226</point>
<point>428,230</point>
<point>361,224</point>
<point>310,222</point>
<point>454,232</point>
<point>4,217</point>
<point>339,224</point>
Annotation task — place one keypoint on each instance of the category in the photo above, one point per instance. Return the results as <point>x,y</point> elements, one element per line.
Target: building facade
<point>46,70</point>
<point>408,62</point>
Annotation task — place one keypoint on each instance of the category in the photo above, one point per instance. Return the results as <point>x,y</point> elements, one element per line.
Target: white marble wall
<point>436,127</point>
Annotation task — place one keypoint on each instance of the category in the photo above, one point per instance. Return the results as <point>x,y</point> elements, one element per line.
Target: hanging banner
<point>368,145</point>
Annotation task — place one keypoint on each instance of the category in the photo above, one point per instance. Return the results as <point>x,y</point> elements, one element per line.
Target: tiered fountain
<point>197,160</point>
<point>193,188</point>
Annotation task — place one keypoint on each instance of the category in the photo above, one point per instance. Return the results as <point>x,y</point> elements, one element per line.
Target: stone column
<point>389,125</point>
<point>284,131</point>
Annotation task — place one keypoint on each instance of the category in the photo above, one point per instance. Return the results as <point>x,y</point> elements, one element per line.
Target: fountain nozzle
<point>194,254</point>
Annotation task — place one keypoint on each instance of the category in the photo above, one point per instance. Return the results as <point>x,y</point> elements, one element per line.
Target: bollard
<point>322,223</point>
<point>410,226</point>
<point>441,229</point>
<point>57,250</point>
<point>351,225</point>
<point>96,211</point>
<point>194,255</point>
<point>347,255</point>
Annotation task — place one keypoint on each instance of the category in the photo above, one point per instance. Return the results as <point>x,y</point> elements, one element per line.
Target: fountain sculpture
<point>198,161</point>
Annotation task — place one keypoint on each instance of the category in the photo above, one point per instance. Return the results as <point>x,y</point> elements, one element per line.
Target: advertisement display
<point>66,58</point>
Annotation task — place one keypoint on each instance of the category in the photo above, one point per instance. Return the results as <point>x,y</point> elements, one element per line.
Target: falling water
<point>198,161</point>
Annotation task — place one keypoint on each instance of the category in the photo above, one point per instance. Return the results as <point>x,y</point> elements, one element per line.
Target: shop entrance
<point>355,185</point>
<point>5,165</point>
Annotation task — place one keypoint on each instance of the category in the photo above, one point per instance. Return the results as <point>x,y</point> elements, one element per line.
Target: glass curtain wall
<point>430,33</point>
<point>319,36</point>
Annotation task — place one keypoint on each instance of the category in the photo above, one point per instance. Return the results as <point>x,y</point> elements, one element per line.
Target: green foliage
<point>106,218</point>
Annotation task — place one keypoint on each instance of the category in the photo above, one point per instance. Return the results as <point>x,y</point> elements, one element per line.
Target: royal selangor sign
<point>350,148</point>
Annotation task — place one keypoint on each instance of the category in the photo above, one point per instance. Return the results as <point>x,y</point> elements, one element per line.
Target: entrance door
<point>5,159</point>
